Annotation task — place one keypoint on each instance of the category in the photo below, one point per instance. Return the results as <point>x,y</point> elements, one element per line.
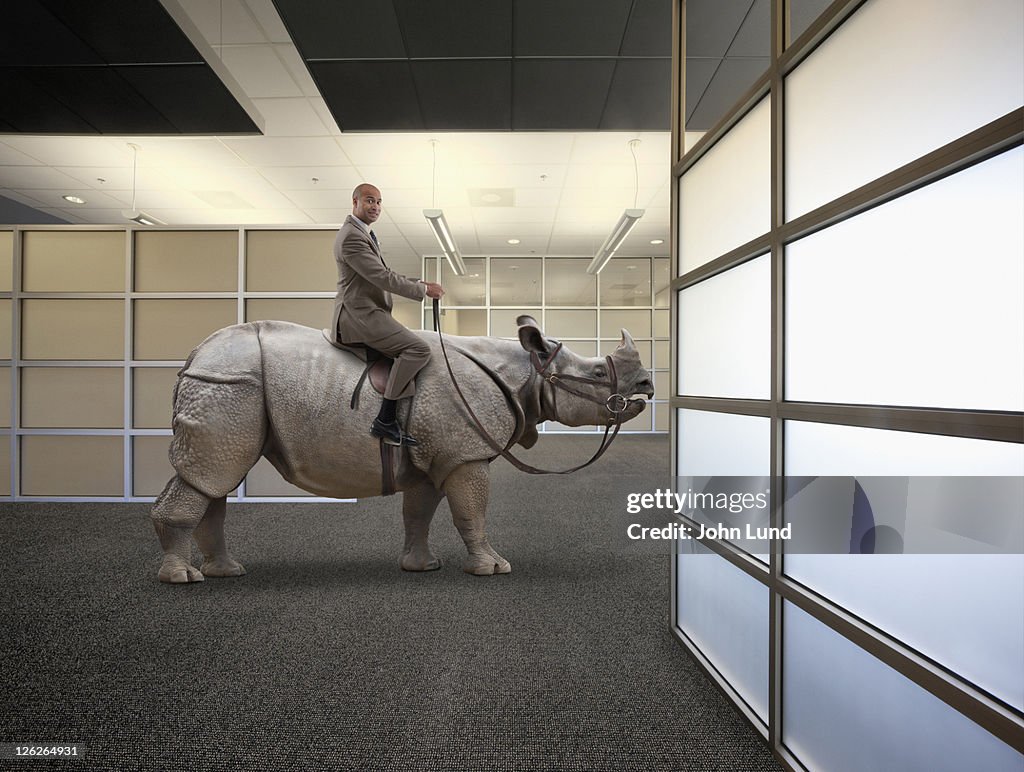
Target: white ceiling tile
<point>164,198</point>
<point>22,198</point>
<point>326,216</point>
<point>12,157</point>
<point>174,152</point>
<point>260,72</point>
<point>508,230</point>
<point>226,21</point>
<point>296,67</point>
<point>71,151</point>
<point>94,199</point>
<point>290,117</point>
<point>68,216</point>
<point>212,216</point>
<point>342,179</point>
<point>584,246</point>
<point>320,106</point>
<point>37,177</point>
<point>514,214</point>
<point>388,177</point>
<point>613,147</point>
<point>616,176</point>
<point>403,149</point>
<point>334,200</point>
<point>269,20</point>
<point>281,151</point>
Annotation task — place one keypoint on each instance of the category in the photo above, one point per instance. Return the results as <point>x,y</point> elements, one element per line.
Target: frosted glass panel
<point>567,283</point>
<point>626,282</point>
<point>722,444</point>
<point>637,323</point>
<point>830,449</point>
<point>928,78</point>
<point>724,611</point>
<point>571,324</point>
<point>515,281</point>
<point>725,198</point>
<point>725,334</point>
<point>467,290</point>
<point>886,309</point>
<point>846,710</point>
<point>503,323</point>
<point>941,605</point>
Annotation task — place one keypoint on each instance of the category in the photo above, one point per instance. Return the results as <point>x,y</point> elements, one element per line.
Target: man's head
<point>366,203</point>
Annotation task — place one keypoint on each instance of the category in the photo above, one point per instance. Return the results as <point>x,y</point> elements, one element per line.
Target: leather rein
<point>615,404</point>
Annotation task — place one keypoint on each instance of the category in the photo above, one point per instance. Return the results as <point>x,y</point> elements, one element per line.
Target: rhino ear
<point>627,340</point>
<point>530,336</point>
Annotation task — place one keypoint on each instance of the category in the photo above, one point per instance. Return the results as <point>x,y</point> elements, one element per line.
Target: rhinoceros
<point>281,390</point>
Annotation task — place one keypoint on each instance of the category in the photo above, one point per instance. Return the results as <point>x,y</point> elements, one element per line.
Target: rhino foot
<point>420,560</point>
<point>222,566</point>
<point>486,564</point>
<point>176,571</point>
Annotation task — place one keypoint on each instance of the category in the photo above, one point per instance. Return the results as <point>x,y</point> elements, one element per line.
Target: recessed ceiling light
<point>513,241</point>
<point>74,199</point>
<point>657,241</point>
<point>630,267</point>
<point>490,198</point>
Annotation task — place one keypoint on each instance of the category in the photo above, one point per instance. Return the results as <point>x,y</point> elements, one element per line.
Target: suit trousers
<point>411,354</point>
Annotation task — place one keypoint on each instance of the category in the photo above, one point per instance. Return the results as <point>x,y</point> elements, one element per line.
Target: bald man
<point>362,308</point>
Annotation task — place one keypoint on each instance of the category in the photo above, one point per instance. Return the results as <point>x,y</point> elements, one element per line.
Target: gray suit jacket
<point>362,307</point>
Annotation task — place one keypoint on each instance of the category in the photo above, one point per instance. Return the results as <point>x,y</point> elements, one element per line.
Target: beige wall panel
<point>151,469</point>
<point>5,466</point>
<point>73,261</point>
<point>264,480</point>
<point>571,324</point>
<point>312,312</point>
<point>290,261</point>
<point>661,354</point>
<point>6,310</point>
<point>72,329</point>
<point>72,466</point>
<point>503,322</point>
<point>6,261</point>
<point>662,383</point>
<point>5,403</point>
<point>637,322</point>
<point>72,397</point>
<point>661,324</point>
<point>583,348</point>
<point>405,311</point>
<point>153,389</point>
<point>661,414</point>
<point>470,321</point>
<point>170,329</point>
<point>186,261</point>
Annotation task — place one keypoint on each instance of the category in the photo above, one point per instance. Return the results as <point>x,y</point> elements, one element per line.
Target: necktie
<point>376,243</point>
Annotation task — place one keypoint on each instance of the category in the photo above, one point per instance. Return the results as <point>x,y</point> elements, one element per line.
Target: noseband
<point>615,403</point>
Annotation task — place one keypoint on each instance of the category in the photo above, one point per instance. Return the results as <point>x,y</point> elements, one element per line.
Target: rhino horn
<point>627,340</point>
<point>530,336</point>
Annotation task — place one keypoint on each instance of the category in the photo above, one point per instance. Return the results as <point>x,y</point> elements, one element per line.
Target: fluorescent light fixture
<point>443,234</point>
<point>140,217</point>
<point>614,240</point>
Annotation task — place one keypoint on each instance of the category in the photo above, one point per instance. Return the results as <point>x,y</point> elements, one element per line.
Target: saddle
<point>378,367</point>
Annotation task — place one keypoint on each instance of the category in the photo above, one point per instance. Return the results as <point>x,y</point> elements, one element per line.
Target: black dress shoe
<point>391,433</point>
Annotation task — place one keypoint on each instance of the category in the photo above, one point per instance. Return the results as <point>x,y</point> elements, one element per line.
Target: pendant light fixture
<point>439,226</point>
<point>134,214</point>
<point>623,226</point>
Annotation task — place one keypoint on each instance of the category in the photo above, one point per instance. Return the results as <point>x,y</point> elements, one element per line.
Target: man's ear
<point>530,336</point>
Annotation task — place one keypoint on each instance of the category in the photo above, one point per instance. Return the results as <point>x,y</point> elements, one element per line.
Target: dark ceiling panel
<point>30,34</point>
<point>568,28</point>
<point>369,96</point>
<point>802,14</point>
<point>101,97</point>
<point>732,79</point>
<point>640,97</point>
<point>465,95</point>
<point>711,25</point>
<point>456,28</point>
<point>28,109</point>
<point>698,75</point>
<point>175,92</point>
<point>343,29</point>
<point>126,31</point>
<point>649,32</point>
<point>563,94</point>
<point>755,35</point>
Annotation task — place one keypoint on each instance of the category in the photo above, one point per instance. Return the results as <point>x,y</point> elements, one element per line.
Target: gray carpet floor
<point>328,656</point>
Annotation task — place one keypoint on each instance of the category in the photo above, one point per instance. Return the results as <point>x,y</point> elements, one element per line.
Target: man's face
<point>367,206</point>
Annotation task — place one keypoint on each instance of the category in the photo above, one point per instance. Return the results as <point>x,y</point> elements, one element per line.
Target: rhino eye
<point>600,372</point>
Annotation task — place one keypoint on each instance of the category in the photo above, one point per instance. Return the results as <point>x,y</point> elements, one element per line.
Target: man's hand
<point>434,290</point>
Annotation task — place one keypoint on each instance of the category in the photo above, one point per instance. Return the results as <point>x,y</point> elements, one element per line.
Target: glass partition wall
<point>96,321</point>
<point>848,299</point>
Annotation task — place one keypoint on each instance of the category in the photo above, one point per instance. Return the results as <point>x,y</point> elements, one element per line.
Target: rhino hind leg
<point>418,506</point>
<point>176,513</point>
<point>209,535</point>
<point>468,489</point>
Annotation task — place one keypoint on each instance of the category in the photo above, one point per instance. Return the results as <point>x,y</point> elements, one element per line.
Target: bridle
<point>615,403</point>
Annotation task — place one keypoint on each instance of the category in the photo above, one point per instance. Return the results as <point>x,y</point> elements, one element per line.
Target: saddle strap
<point>354,402</point>
<point>387,469</point>
<point>520,465</point>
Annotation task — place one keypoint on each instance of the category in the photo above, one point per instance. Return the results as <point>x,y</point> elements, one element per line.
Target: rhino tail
<point>219,418</point>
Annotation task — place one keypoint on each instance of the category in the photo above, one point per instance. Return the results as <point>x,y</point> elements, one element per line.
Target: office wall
<point>849,300</point>
<point>96,321</point>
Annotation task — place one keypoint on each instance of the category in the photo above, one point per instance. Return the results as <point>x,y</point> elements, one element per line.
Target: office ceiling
<point>261,112</point>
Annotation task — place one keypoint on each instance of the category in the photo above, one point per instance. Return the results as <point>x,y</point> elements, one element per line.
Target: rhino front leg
<point>468,488</point>
<point>176,513</point>
<point>209,535</point>
<point>418,506</point>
